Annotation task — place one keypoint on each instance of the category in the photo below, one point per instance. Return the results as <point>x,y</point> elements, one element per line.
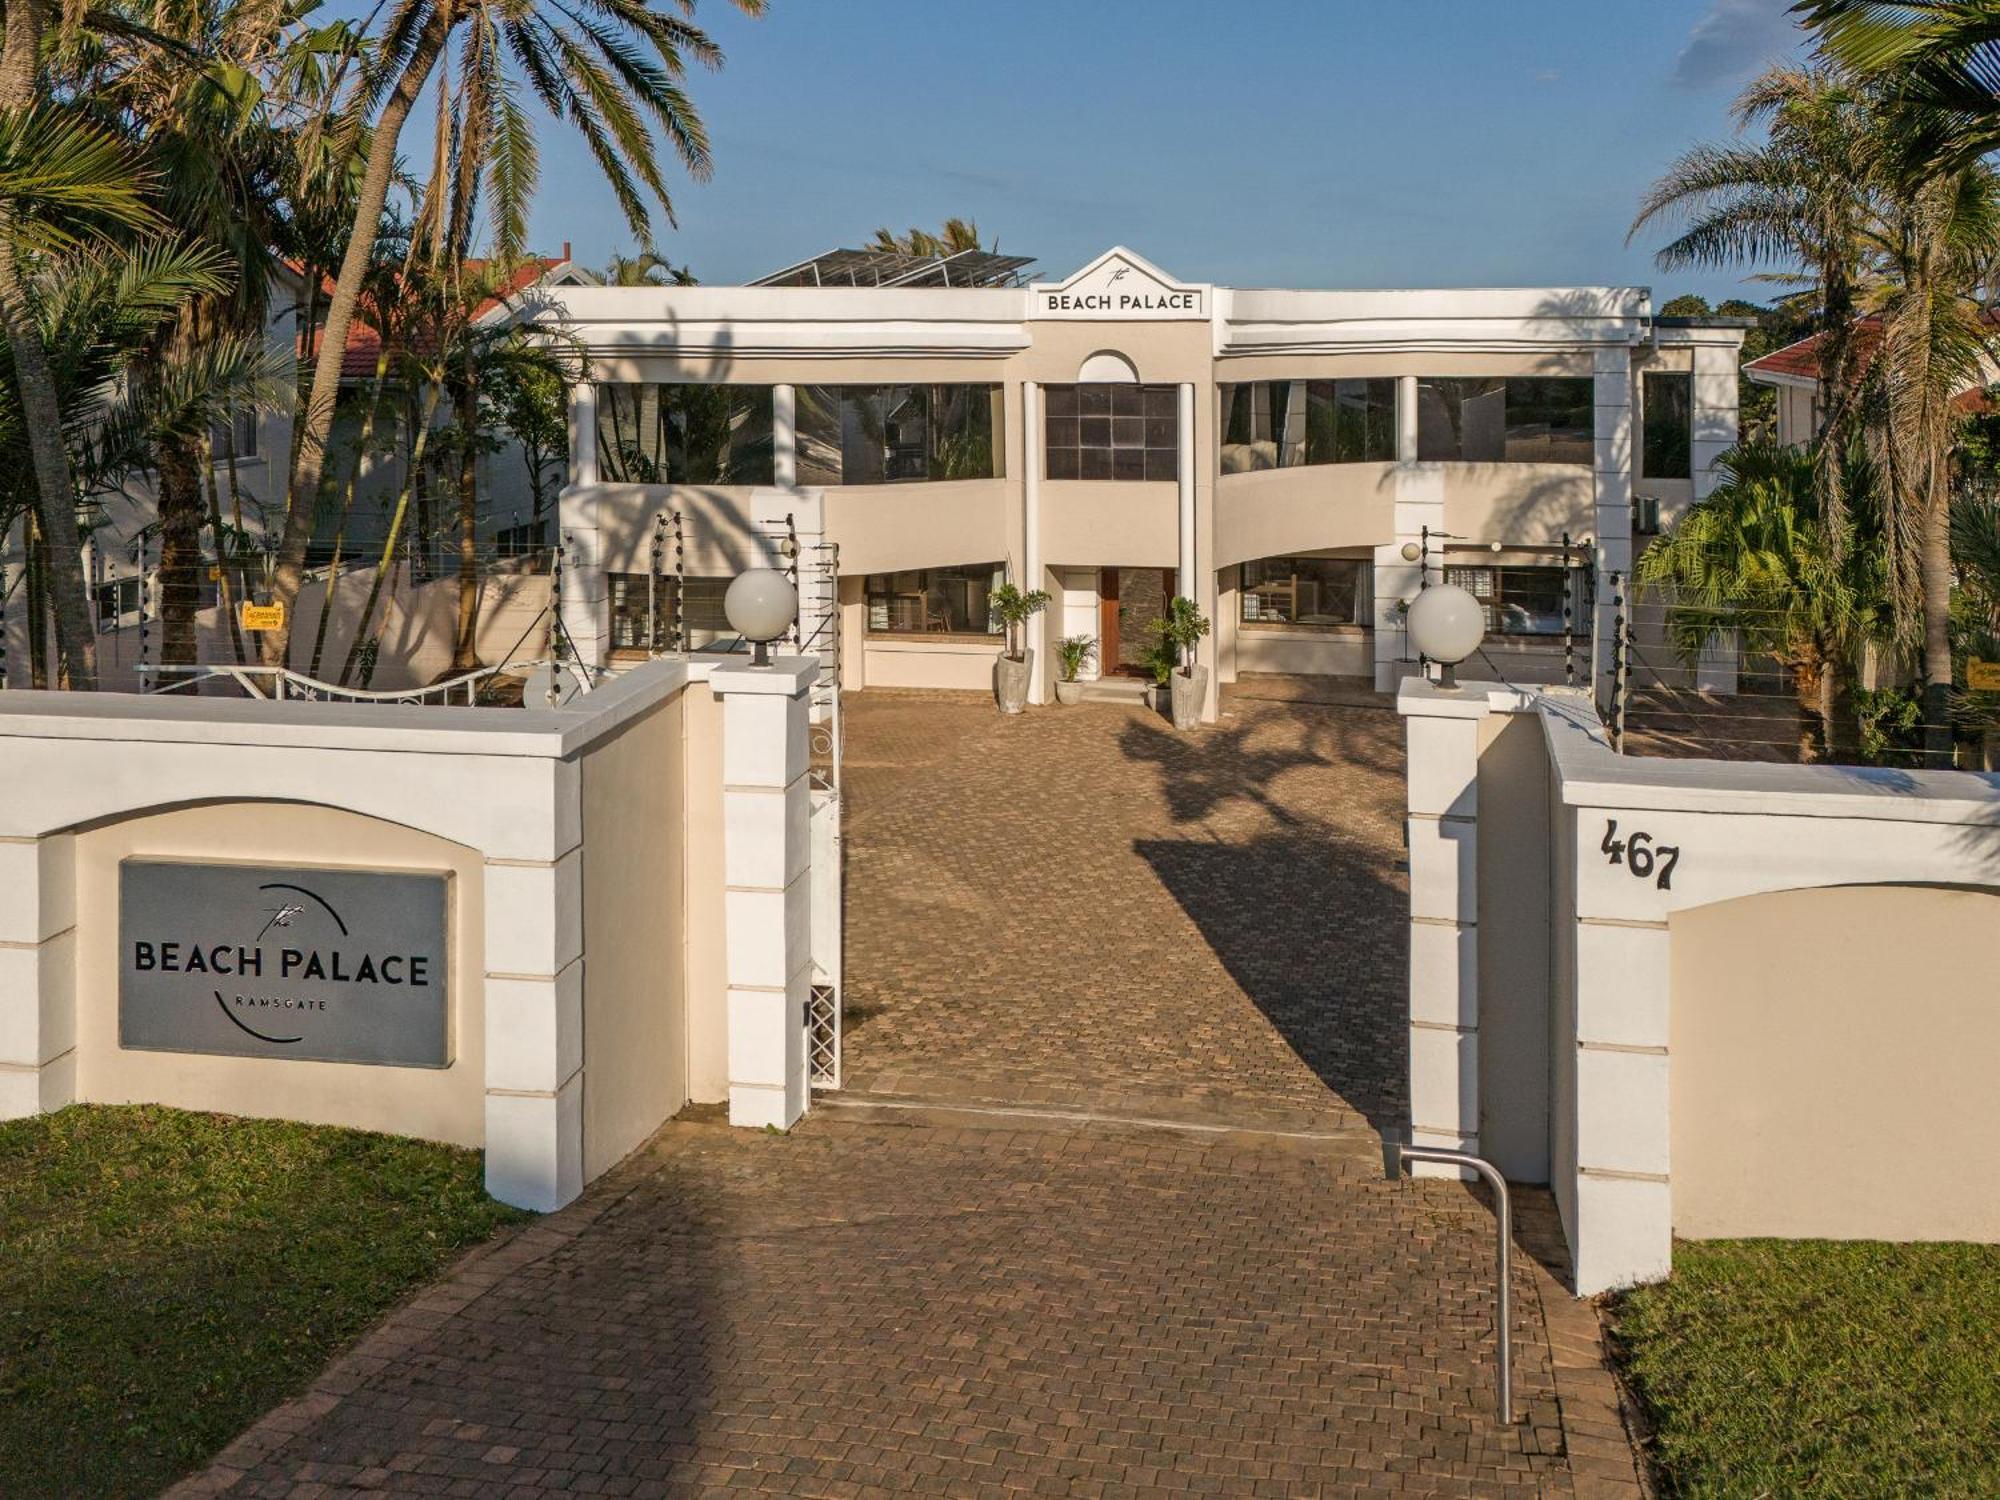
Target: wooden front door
<point>1129,600</point>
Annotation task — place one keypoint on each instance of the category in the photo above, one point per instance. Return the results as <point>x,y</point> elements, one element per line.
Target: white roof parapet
<point>1257,321</point>
<point>791,321</point>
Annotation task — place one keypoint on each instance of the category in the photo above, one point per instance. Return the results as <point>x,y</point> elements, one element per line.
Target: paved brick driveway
<point>1081,901</point>
<point>965,1297</point>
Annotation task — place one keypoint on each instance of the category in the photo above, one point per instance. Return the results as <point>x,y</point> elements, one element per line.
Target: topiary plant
<point>1181,631</point>
<point>1013,609</point>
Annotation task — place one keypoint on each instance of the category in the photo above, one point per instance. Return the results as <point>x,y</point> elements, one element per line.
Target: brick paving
<point>1081,900</point>
<point>979,1291</point>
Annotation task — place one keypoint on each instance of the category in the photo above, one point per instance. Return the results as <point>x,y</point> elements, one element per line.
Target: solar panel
<point>967,268</point>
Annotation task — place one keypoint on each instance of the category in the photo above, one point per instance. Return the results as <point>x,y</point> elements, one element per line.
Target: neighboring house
<point>253,450</point>
<point>1794,373</point>
<point>1298,462</point>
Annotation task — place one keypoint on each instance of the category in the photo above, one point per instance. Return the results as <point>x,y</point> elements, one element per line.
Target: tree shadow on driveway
<point>1309,918</point>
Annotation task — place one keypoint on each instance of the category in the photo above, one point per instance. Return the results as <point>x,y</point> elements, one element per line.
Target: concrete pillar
<point>767,885</point>
<point>586,600</point>
<point>784,437</point>
<point>1419,503</point>
<point>37,975</point>
<point>1184,577</point>
<point>1443,832</point>
<point>534,1030</point>
<point>1712,412</point>
<point>1612,502</point>
<point>1031,529</point>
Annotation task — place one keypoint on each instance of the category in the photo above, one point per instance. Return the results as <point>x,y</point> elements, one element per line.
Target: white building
<point>1298,462</point>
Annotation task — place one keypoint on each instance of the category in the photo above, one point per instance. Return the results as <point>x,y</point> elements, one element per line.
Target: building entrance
<point>1129,600</point>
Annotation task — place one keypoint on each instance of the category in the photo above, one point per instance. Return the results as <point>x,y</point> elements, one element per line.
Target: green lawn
<point>1816,1368</point>
<point>165,1277</point>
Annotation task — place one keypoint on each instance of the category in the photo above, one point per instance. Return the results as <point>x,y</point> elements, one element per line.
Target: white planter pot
<point>1187,692</point>
<point>1069,692</point>
<point>1010,681</point>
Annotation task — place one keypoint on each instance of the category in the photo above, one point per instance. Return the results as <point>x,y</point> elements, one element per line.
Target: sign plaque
<point>272,961</point>
<point>263,616</point>
<point>1982,676</point>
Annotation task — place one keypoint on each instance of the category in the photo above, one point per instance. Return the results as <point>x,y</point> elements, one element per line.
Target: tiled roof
<point>364,344</point>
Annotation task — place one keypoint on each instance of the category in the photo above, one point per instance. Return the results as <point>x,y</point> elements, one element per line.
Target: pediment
<point>1120,284</point>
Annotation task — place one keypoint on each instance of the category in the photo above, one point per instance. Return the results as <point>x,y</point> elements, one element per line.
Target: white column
<point>534,1028</point>
<point>1620,1198</point>
<point>1184,578</point>
<point>1419,503</point>
<point>1613,503</point>
<point>784,437</point>
<point>586,603</point>
<point>767,885</point>
<point>1031,524</point>
<point>37,976</point>
<point>1443,784</point>
<point>1713,414</point>
<point>583,433</point>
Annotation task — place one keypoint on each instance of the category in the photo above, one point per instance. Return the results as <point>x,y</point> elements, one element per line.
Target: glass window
<point>896,434</point>
<point>1112,431</point>
<point>1306,593</point>
<point>684,434</point>
<point>1667,403</point>
<point>1517,601</point>
<point>119,600</point>
<point>234,435</point>
<point>1513,420</point>
<point>635,628</point>
<point>1279,424</point>
<point>935,601</point>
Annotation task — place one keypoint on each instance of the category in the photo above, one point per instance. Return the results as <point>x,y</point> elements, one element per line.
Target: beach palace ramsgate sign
<point>260,961</point>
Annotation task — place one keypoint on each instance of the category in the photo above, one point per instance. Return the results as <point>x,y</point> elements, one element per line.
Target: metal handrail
<point>284,683</point>
<point>1395,1155</point>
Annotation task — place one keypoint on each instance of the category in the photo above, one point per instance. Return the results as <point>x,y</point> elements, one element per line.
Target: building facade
<point>1299,463</point>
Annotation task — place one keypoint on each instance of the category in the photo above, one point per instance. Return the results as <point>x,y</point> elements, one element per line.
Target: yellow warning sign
<point>1982,676</point>
<point>263,617</point>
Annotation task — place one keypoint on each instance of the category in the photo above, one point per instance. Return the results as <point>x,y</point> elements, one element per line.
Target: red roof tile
<point>364,344</point>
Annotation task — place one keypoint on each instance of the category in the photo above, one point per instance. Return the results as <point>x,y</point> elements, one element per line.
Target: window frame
<point>1454,573</point>
<point>898,459</point>
<point>994,573</point>
<point>1452,391</point>
<point>1252,407</point>
<point>666,610</point>
<point>1363,604</point>
<point>1684,440</point>
<point>1136,431</point>
<point>674,462</point>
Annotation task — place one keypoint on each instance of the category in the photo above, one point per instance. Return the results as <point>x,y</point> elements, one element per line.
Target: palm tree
<point>1938,243</point>
<point>957,235</point>
<point>1801,198</point>
<point>1756,559</point>
<point>607,66</point>
<point>647,268</point>
<point>1941,58</point>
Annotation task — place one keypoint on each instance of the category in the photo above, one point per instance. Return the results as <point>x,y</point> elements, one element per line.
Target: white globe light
<point>1446,624</point>
<point>759,605</point>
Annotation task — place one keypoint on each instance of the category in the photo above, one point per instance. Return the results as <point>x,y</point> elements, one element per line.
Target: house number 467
<point>1638,853</point>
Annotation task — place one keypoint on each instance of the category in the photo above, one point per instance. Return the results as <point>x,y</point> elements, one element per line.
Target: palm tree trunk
<point>180,548</point>
<point>302,498</point>
<point>368,419</point>
<point>388,561</point>
<point>464,656</point>
<point>1934,568</point>
<point>225,595</point>
<point>38,605</point>
<point>41,411</point>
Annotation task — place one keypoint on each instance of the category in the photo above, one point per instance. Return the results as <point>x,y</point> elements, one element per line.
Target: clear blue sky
<point>1251,142</point>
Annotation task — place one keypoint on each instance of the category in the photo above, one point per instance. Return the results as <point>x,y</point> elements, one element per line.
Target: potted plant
<point>1013,609</point>
<point>1073,654</point>
<point>1180,632</point>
